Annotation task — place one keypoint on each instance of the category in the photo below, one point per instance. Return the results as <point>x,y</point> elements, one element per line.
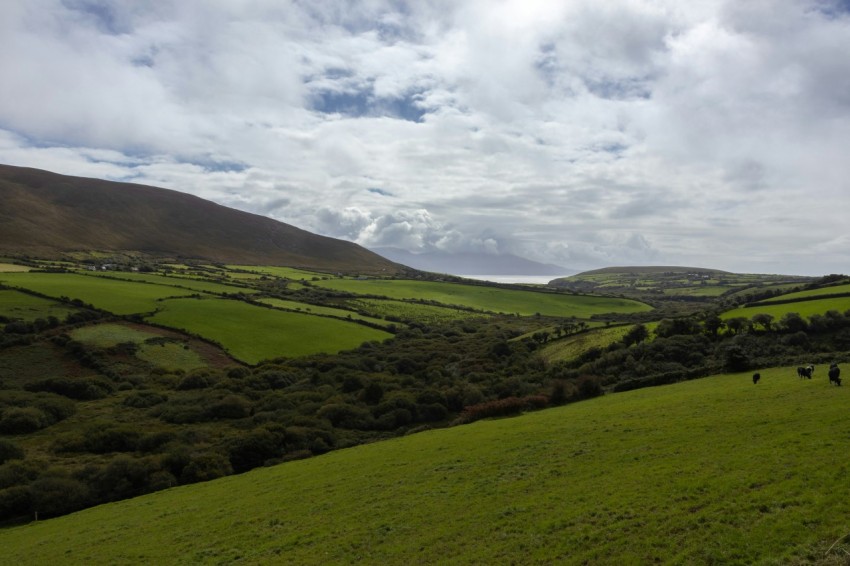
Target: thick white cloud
<point>586,133</point>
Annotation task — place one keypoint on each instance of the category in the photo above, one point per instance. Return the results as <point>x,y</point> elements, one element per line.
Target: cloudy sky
<point>581,133</point>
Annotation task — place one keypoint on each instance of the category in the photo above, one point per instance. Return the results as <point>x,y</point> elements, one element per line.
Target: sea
<point>520,279</point>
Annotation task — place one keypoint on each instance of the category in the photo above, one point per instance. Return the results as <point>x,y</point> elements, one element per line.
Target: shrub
<point>501,408</point>
<point>154,441</point>
<point>10,451</point>
<point>15,501</point>
<point>231,407</point>
<point>253,449</point>
<point>102,440</point>
<point>144,399</point>
<point>23,420</point>
<point>54,496</point>
<point>206,466</point>
<point>83,389</point>
<point>195,381</point>
<point>346,416</point>
<point>56,407</point>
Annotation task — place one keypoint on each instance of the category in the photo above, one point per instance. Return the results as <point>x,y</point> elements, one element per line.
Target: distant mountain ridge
<point>48,214</point>
<point>470,263</point>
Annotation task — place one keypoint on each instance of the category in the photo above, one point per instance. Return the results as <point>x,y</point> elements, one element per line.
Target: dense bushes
<point>82,389</point>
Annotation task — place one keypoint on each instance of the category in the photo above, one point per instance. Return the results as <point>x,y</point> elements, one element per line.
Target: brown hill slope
<point>46,214</point>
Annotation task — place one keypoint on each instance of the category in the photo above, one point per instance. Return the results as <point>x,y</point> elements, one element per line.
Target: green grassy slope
<point>250,333</point>
<point>803,308</point>
<point>14,304</point>
<point>119,297</point>
<point>488,298</point>
<point>714,471</point>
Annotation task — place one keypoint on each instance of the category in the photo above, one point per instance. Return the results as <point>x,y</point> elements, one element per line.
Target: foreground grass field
<point>714,471</point>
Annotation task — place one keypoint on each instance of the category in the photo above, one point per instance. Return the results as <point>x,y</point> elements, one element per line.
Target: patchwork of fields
<point>251,333</point>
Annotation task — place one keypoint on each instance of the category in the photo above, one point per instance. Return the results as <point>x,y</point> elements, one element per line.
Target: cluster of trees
<point>690,347</point>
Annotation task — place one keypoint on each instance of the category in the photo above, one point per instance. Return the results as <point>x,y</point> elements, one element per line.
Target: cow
<point>805,372</point>
<point>756,377</point>
<point>834,372</point>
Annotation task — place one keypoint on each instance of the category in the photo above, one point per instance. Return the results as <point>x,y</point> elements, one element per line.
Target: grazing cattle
<point>834,372</point>
<point>756,377</point>
<point>805,372</point>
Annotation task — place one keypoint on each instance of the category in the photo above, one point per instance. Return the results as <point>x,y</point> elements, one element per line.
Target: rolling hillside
<point>715,471</point>
<point>46,214</point>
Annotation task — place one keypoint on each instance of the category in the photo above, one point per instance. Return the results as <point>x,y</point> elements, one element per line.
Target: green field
<point>118,297</point>
<point>488,298</point>
<point>285,272</point>
<point>170,356</point>
<point>13,268</point>
<point>803,308</point>
<point>428,314</point>
<point>833,290</point>
<point>17,305</point>
<point>713,471</point>
<point>327,311</point>
<point>108,335</point>
<point>200,285</point>
<point>163,354</point>
<point>573,346</point>
<point>251,333</point>
<point>698,291</point>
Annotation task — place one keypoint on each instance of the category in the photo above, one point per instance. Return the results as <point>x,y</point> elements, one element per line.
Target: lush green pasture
<point>713,471</point>
<point>573,346</point>
<point>13,268</point>
<point>698,291</point>
<point>314,309</point>
<point>180,282</point>
<point>428,314</point>
<point>285,272</point>
<point>834,290</point>
<point>164,354</point>
<point>488,298</point>
<point>171,356</point>
<point>17,305</point>
<point>115,296</point>
<point>251,333</point>
<point>108,335</point>
<point>803,308</point>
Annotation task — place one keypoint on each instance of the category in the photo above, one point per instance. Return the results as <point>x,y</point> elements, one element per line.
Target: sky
<point>580,133</point>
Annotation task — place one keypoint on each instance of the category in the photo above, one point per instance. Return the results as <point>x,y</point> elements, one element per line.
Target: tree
<point>712,324</point>
<point>764,320</point>
<point>793,322</point>
<point>738,324</point>
<point>637,334</point>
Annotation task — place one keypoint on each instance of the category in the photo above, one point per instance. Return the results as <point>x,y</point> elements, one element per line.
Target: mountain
<point>47,215</point>
<point>469,263</point>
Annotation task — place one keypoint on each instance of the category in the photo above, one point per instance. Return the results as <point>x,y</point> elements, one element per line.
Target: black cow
<point>805,372</point>
<point>834,372</point>
<point>756,377</point>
